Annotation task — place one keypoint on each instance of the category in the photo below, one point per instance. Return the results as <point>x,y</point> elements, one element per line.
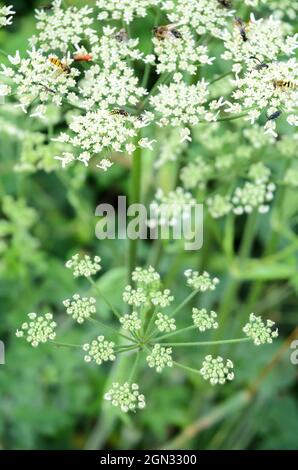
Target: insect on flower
<point>225,3</point>
<point>166,32</point>
<point>243,28</point>
<point>59,64</point>
<point>261,65</point>
<point>119,112</point>
<point>121,35</point>
<point>283,84</point>
<point>274,115</point>
<point>82,57</point>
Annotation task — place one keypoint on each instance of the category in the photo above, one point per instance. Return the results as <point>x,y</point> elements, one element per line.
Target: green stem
<point>3,53</point>
<point>66,345</point>
<point>107,327</point>
<point>182,330</point>
<point>188,369</point>
<point>134,367</point>
<point>107,302</point>
<point>135,197</point>
<point>185,301</point>
<point>207,343</point>
<point>220,77</point>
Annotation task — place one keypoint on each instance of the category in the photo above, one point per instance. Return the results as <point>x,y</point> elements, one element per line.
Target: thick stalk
<point>135,197</point>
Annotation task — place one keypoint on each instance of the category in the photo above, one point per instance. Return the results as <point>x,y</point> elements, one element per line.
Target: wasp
<point>225,3</point>
<point>166,32</point>
<point>119,112</point>
<point>261,65</point>
<point>82,57</point>
<point>274,115</point>
<point>283,84</point>
<point>243,28</point>
<point>59,64</point>
<point>121,35</point>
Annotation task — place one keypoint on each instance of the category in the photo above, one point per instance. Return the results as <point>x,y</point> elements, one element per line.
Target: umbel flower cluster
<point>95,73</point>
<point>146,330</point>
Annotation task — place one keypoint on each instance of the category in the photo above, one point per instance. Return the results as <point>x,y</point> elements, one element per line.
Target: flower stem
<point>220,77</point>
<point>134,367</point>
<point>185,301</point>
<point>66,345</point>
<point>188,369</point>
<point>107,327</point>
<point>135,196</point>
<point>107,302</point>
<point>176,332</point>
<point>208,343</point>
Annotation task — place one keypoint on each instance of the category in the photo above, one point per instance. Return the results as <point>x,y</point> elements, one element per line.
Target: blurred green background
<point>51,399</point>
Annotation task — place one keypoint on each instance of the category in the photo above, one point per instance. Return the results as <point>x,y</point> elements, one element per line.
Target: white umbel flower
<point>182,105</point>
<point>219,206</point>
<point>39,329</point>
<point>146,277</point>
<point>62,28</point>
<point>160,358</point>
<point>204,16</point>
<point>80,308</point>
<point>164,323</point>
<point>216,370</point>
<point>136,297</point>
<point>260,332</point>
<point>124,10</point>
<point>126,396</point>
<point>266,40</point>
<point>99,350</point>
<point>204,320</point>
<point>36,78</point>
<point>6,15</point>
<point>201,282</point>
<point>131,322</point>
<point>84,265</point>
<point>102,130</point>
<point>182,54</point>
<point>253,196</point>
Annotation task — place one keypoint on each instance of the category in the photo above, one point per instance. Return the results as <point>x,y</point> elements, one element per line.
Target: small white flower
<point>160,358</point>
<point>164,323</point>
<point>124,10</point>
<point>203,320</point>
<point>84,265</point>
<point>39,329</point>
<point>201,282</point>
<point>219,205</point>
<point>99,350</point>
<point>6,17</point>
<point>131,322</point>
<point>216,371</point>
<point>126,396</point>
<point>80,308</point>
<point>260,332</point>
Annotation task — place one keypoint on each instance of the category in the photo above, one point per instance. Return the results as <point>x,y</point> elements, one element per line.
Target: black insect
<point>261,65</point>
<point>274,115</point>
<point>225,3</point>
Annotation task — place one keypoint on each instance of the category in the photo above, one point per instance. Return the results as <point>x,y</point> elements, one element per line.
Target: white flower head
<point>169,210</point>
<point>63,28</point>
<point>204,16</point>
<point>164,323</point>
<point>124,10</point>
<point>131,321</point>
<point>219,206</point>
<point>160,358</point>
<point>252,196</point>
<point>80,308</point>
<point>204,320</point>
<point>260,332</point>
<point>99,350</point>
<point>84,265</point>
<point>201,282</point>
<point>38,329</point>
<point>216,370</point>
<point>126,396</point>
